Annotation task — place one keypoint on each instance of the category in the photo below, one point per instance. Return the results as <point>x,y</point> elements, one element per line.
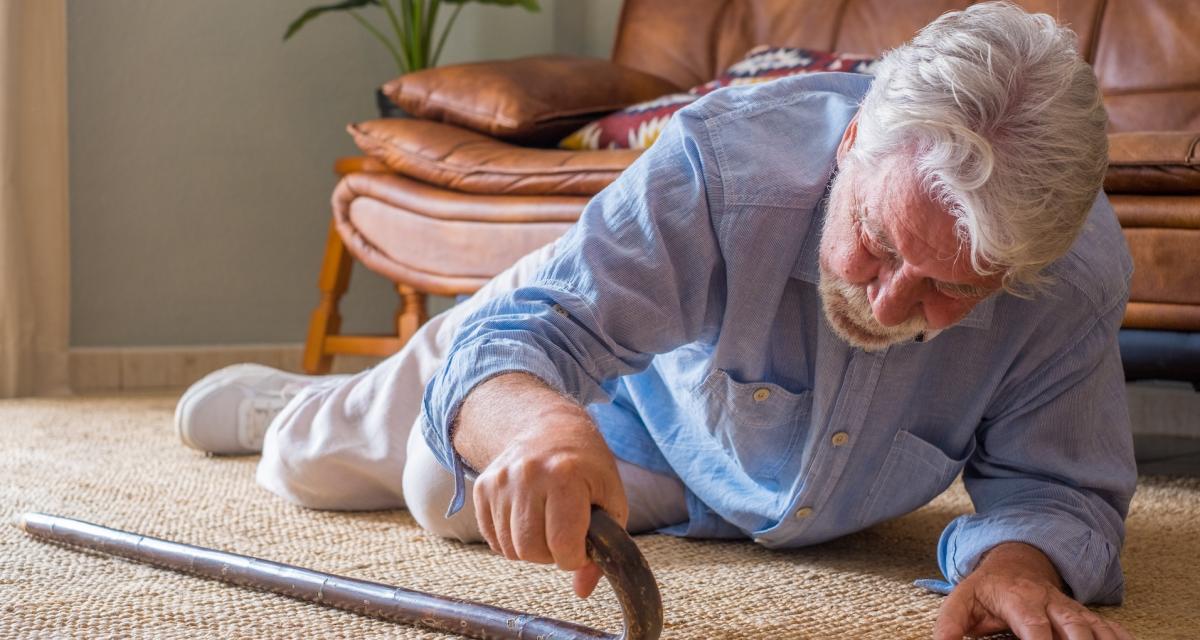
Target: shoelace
<point>261,411</point>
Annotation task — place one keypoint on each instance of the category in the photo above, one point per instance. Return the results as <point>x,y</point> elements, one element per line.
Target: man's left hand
<point>1015,586</point>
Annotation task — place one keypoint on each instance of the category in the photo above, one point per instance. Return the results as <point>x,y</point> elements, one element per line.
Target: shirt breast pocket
<point>759,424</point>
<point>913,473</point>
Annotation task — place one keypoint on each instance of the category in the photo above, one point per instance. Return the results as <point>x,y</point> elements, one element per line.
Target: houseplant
<point>412,23</point>
<point>411,34</point>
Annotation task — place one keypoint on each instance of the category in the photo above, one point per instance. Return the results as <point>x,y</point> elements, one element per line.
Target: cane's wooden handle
<point>610,547</point>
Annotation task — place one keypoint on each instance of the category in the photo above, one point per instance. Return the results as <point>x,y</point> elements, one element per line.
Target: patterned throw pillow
<point>638,126</point>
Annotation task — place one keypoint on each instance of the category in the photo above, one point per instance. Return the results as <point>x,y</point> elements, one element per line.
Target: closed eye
<point>961,291</point>
<point>872,237</point>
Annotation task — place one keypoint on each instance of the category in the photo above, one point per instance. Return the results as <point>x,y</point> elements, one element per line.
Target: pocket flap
<point>914,472</point>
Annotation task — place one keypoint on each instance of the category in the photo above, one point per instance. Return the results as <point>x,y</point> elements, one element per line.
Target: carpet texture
<point>115,461</point>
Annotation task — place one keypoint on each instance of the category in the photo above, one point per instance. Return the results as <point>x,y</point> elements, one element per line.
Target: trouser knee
<point>428,490</point>
<point>310,464</point>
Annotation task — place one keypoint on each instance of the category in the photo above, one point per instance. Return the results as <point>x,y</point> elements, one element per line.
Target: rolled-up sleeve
<point>1055,469</point>
<point>639,274</point>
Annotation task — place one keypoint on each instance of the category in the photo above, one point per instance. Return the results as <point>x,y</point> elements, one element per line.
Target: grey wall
<point>201,148</point>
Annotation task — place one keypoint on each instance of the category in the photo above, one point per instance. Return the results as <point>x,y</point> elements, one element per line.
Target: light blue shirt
<point>682,308</point>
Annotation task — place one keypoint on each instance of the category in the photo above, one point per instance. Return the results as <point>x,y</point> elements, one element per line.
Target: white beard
<point>847,307</point>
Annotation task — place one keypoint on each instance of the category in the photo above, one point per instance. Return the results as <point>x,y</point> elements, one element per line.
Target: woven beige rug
<point>115,461</point>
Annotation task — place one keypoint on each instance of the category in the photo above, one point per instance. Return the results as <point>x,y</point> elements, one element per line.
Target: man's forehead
<point>922,230</point>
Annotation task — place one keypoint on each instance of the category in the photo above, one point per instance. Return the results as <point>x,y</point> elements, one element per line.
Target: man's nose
<point>895,298</point>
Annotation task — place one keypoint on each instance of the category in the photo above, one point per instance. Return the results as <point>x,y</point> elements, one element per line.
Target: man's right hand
<point>543,466</point>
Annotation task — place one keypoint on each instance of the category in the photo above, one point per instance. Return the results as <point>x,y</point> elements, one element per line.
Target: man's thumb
<point>586,579</point>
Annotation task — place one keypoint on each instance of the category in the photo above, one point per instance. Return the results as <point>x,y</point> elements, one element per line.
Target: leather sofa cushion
<point>1166,163</point>
<point>442,242</point>
<point>1163,232</point>
<point>1145,52</point>
<point>1148,60</point>
<point>1163,162</point>
<point>690,42</point>
<point>469,162</point>
<point>533,100</point>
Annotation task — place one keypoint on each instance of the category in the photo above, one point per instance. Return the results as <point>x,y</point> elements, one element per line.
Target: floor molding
<point>101,369</point>
<point>1164,408</point>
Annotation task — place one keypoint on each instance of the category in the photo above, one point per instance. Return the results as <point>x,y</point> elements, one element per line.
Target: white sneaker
<point>228,411</point>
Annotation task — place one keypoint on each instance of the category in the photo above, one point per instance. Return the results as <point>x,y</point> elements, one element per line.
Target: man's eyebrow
<point>878,233</point>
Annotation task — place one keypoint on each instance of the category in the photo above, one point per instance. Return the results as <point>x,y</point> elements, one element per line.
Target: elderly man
<point>805,310</point>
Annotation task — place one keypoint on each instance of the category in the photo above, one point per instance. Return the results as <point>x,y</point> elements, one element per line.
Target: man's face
<point>892,264</point>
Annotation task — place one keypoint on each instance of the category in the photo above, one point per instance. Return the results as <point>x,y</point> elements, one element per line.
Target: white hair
<point>1006,129</point>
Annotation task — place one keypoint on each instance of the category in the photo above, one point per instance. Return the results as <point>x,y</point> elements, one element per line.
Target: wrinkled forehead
<point>922,228</point>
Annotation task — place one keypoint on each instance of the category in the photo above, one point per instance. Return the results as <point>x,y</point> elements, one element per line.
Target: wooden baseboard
<point>1164,409</point>
<point>101,369</point>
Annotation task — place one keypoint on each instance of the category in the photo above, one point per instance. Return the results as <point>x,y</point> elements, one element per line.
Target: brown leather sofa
<point>453,195</point>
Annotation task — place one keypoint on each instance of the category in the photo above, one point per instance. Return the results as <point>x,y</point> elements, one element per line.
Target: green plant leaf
<point>528,5</point>
<point>437,52</point>
<point>313,12</point>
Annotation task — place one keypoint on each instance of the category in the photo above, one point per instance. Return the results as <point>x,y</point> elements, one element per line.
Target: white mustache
<point>848,310</point>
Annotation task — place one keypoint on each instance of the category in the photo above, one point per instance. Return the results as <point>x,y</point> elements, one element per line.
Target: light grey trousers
<point>354,442</point>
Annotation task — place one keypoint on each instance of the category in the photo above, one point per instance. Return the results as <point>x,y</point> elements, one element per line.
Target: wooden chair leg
<point>325,320</point>
<point>412,312</point>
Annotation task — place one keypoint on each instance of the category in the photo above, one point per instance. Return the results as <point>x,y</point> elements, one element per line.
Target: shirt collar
<point>808,269</point>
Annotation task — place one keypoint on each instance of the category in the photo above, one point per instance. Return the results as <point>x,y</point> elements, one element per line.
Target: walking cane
<point>609,546</point>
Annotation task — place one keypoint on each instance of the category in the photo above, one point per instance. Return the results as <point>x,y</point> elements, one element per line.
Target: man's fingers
<point>1122,634</point>
<point>483,518</point>
<point>568,514</point>
<point>529,531</point>
<point>954,616</point>
<point>501,510</point>
<point>1026,618</point>
<point>1072,620</point>
<point>1104,631</point>
<point>586,579</point>
<point>1069,623</point>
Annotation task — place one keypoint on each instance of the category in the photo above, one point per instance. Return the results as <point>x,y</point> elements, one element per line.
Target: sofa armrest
<point>1154,162</point>
<point>534,100</point>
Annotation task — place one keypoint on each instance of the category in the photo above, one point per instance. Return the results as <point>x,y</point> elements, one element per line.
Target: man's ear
<point>848,138</point>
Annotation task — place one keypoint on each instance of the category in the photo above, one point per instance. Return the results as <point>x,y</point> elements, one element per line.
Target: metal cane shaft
<point>638,596</point>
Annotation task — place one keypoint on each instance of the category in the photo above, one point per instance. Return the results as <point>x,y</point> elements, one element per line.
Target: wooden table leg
<point>326,320</point>
<point>412,312</point>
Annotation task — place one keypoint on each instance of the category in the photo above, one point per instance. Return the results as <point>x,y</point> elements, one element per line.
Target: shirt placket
<point>831,450</point>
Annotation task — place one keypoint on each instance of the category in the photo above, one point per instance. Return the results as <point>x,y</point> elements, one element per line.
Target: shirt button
<point>761,393</point>
<point>840,438</point>
<point>803,512</point>
<point>558,308</point>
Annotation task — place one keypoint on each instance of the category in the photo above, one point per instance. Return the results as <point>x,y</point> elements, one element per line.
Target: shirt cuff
<point>933,585</point>
<point>1088,564</point>
<point>465,369</point>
